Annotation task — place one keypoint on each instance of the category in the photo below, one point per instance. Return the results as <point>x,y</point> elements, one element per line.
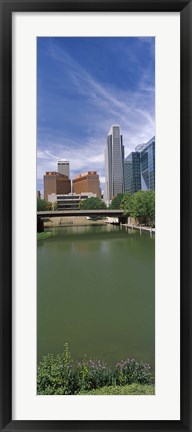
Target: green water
<point>96,291</point>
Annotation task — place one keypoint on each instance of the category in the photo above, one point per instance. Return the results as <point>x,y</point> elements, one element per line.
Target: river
<point>96,291</point>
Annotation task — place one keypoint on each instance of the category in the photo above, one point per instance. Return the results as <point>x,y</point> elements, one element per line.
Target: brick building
<point>56,183</point>
<point>87,182</point>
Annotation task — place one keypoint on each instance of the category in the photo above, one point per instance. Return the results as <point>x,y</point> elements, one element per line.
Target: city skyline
<point>84,86</point>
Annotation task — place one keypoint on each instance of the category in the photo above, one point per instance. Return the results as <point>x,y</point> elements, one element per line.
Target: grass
<point>44,235</point>
<point>132,389</point>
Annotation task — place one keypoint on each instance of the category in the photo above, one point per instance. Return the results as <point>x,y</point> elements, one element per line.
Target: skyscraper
<point>147,164</point>
<point>139,168</point>
<point>114,157</point>
<point>63,167</point>
<point>132,173</point>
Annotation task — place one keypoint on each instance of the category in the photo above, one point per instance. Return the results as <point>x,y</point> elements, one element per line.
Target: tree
<point>143,207</point>
<point>54,206</point>
<point>43,205</point>
<point>116,202</point>
<point>127,204</point>
<point>93,203</point>
<point>151,207</point>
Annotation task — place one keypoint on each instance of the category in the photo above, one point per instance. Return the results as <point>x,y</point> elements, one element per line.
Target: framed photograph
<point>95,215</point>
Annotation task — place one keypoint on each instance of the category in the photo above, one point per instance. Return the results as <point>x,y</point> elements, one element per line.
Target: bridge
<point>67,213</point>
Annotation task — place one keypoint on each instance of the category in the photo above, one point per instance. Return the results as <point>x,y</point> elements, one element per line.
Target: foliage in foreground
<point>131,389</point>
<point>44,235</point>
<point>59,375</point>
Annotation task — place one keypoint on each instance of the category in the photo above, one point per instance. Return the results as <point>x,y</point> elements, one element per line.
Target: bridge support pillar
<point>40,225</point>
<point>122,220</point>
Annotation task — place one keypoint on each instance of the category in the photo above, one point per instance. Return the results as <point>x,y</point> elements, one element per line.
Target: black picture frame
<point>6,9</point>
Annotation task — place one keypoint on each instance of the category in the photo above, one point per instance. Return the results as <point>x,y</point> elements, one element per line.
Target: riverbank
<point>140,228</point>
<point>132,389</point>
<point>68,221</point>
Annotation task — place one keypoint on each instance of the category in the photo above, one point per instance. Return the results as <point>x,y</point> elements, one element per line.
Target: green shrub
<point>131,371</point>
<point>59,375</point>
<point>55,375</point>
<point>93,374</point>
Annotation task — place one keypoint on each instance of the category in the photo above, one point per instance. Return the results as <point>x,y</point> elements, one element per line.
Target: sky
<point>84,85</point>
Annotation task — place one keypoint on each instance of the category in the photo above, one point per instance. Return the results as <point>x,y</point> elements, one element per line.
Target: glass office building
<point>147,165</point>
<point>139,168</point>
<point>132,172</point>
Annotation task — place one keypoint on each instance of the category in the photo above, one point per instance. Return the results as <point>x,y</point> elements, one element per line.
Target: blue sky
<point>84,85</point>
